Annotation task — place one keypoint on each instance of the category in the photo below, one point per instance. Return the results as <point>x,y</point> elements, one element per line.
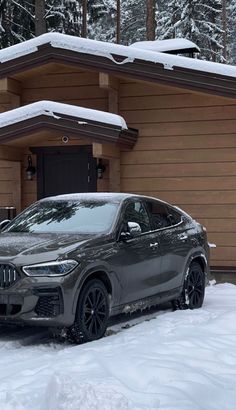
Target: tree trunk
<point>40,21</point>
<point>84,18</point>
<point>150,19</point>
<point>118,21</point>
<point>225,28</point>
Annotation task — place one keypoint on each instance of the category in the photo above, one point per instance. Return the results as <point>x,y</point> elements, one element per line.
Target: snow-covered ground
<point>183,360</point>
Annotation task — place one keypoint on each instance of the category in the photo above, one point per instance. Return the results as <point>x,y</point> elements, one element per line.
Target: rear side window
<point>159,215</point>
<point>174,215</point>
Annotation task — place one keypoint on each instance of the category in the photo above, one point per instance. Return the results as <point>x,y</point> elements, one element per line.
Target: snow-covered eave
<point>177,45</point>
<point>142,64</point>
<point>96,125</point>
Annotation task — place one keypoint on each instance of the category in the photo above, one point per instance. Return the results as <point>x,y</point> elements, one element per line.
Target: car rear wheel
<point>92,313</point>
<point>193,290</point>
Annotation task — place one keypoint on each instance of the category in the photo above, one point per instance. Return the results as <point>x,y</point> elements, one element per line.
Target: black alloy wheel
<point>194,289</point>
<point>92,313</point>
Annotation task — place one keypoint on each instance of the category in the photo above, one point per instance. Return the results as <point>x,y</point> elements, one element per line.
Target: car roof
<point>91,196</point>
<point>115,197</point>
<point>97,196</point>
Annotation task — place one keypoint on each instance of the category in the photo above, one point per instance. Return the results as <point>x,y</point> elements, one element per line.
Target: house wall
<point>66,85</point>
<point>186,155</point>
<point>61,84</point>
<point>10,184</point>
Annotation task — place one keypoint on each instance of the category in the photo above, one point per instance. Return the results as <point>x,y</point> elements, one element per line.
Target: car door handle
<point>183,237</point>
<point>153,245</point>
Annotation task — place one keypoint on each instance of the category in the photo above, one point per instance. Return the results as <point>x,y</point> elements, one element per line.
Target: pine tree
<point>102,20</point>
<point>133,21</point>
<point>231,30</point>
<point>64,16</point>
<point>16,22</point>
<point>196,20</point>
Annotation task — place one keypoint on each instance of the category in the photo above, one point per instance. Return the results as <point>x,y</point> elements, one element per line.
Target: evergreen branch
<point>23,8</point>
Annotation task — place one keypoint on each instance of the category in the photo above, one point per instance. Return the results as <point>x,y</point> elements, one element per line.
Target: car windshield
<point>65,216</point>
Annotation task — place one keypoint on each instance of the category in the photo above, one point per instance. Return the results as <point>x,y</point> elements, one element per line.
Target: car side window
<point>136,212</point>
<point>159,215</point>
<point>174,215</point>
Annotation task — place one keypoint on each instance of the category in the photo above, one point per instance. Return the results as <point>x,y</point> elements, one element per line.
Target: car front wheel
<point>92,313</point>
<point>193,290</point>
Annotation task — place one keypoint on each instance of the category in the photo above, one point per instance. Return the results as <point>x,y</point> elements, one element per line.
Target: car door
<point>172,234</point>
<point>138,259</point>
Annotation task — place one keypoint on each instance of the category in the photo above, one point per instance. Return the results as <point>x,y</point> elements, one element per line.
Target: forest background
<point>211,24</point>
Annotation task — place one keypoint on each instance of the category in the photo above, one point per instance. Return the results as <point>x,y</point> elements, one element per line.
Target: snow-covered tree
<point>16,21</point>
<point>196,20</point>
<point>231,31</point>
<point>209,23</point>
<point>64,16</point>
<point>102,20</point>
<point>133,21</point>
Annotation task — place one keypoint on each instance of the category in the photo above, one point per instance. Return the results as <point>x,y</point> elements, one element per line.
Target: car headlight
<point>55,268</point>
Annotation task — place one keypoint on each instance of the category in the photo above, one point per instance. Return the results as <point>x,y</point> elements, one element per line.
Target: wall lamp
<point>30,170</point>
<point>101,168</point>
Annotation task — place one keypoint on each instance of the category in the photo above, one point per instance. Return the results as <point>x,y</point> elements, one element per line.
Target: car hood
<point>28,248</point>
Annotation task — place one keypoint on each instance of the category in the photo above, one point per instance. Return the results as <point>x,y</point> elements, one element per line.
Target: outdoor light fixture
<point>31,170</point>
<point>100,169</point>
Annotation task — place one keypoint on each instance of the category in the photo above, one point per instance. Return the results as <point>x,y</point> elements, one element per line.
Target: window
<point>174,216</point>
<point>136,212</point>
<point>160,217</point>
<point>66,216</point>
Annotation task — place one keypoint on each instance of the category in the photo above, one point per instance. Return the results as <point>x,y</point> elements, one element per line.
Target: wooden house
<point>171,133</point>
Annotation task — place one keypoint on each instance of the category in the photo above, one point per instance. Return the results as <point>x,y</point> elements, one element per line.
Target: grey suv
<point>72,261</point>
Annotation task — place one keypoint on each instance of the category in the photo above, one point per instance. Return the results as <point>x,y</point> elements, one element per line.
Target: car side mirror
<point>134,229</point>
<point>4,223</point>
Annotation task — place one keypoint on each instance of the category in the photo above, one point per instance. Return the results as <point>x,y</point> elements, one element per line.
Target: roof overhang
<point>170,46</point>
<point>66,120</point>
<point>178,71</point>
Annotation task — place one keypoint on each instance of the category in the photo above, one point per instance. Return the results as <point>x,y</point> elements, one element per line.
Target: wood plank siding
<point>65,85</point>
<point>68,86</point>
<point>10,184</point>
<point>186,155</point>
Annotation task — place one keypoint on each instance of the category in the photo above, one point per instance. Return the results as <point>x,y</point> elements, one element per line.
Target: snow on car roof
<point>52,109</point>
<point>101,196</point>
<point>110,51</point>
<point>91,196</point>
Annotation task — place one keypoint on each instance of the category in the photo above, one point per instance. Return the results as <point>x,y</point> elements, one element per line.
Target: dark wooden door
<point>65,170</point>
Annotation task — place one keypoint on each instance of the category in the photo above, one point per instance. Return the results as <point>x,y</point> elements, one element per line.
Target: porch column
<point>111,84</point>
<point>12,90</point>
<point>112,154</point>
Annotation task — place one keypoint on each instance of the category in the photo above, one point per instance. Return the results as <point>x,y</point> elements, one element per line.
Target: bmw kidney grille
<point>8,276</point>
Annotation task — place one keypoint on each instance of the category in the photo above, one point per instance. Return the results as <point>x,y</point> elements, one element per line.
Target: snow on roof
<point>54,109</point>
<point>166,45</point>
<point>108,50</point>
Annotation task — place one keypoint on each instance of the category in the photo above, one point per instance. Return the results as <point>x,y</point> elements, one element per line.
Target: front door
<point>65,170</point>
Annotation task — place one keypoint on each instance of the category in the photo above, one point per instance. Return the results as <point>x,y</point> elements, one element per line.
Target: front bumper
<point>40,301</point>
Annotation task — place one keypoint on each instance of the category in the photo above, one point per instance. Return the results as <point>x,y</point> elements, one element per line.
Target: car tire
<point>193,292</point>
<point>92,313</point>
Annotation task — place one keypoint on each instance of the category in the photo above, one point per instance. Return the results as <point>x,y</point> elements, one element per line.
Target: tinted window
<point>159,214</point>
<point>136,212</point>
<point>174,216</point>
<point>66,216</point>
